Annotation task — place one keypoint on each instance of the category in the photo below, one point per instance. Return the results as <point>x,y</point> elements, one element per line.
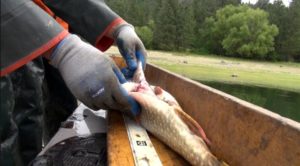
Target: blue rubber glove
<point>131,48</point>
<point>135,108</point>
<point>92,77</point>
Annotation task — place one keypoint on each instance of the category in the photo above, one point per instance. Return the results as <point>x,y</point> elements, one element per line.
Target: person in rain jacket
<point>44,65</point>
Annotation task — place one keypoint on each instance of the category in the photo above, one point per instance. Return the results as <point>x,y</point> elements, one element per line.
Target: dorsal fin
<point>192,124</point>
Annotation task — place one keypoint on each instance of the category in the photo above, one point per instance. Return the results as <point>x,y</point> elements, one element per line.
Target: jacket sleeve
<point>26,33</point>
<point>91,19</point>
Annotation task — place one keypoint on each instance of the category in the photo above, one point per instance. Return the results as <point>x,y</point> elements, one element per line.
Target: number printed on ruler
<point>141,145</point>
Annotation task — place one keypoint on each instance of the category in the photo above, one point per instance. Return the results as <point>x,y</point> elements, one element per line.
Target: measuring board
<point>142,148</point>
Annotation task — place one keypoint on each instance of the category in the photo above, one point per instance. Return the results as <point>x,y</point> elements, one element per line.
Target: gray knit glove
<point>91,76</point>
<point>131,48</point>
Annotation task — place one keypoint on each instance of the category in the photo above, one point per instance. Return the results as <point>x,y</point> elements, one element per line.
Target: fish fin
<point>223,163</point>
<point>158,90</point>
<point>192,124</point>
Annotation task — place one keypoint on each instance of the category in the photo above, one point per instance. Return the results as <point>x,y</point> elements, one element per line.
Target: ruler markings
<point>143,151</point>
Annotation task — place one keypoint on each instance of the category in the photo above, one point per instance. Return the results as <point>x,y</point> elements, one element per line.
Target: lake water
<point>285,103</point>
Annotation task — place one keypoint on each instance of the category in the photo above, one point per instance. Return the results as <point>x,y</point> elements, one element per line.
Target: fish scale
<point>173,131</point>
<point>163,117</point>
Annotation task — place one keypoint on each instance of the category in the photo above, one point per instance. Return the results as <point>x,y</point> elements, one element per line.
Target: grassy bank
<point>281,75</point>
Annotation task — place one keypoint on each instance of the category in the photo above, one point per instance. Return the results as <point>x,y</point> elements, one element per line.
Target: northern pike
<point>164,118</point>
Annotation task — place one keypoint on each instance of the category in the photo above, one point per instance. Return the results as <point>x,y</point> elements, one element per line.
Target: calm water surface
<point>285,103</point>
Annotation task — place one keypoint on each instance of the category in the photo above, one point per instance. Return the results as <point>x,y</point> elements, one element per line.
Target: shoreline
<point>277,75</point>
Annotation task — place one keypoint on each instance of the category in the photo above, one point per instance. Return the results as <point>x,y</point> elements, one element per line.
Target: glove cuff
<point>63,48</point>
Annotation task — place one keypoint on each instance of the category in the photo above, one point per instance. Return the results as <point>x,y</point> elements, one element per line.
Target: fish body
<point>163,117</point>
<point>163,121</point>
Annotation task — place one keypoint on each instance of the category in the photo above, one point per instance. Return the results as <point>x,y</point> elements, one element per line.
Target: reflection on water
<point>285,103</point>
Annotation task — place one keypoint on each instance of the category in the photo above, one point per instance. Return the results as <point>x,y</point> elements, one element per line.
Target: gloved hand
<point>91,76</point>
<point>131,47</point>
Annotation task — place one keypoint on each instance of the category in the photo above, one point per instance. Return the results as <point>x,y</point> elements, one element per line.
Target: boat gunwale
<point>237,100</point>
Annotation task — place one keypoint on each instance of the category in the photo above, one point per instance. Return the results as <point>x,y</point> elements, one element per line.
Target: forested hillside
<point>223,27</point>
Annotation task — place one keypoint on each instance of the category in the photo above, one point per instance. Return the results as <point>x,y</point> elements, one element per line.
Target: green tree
<point>185,26</point>
<point>146,35</point>
<point>223,3</point>
<point>262,4</point>
<point>204,9</point>
<point>136,12</point>
<point>174,26</point>
<point>240,31</point>
<point>165,26</point>
<point>292,43</point>
<point>287,20</point>
<point>278,15</point>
